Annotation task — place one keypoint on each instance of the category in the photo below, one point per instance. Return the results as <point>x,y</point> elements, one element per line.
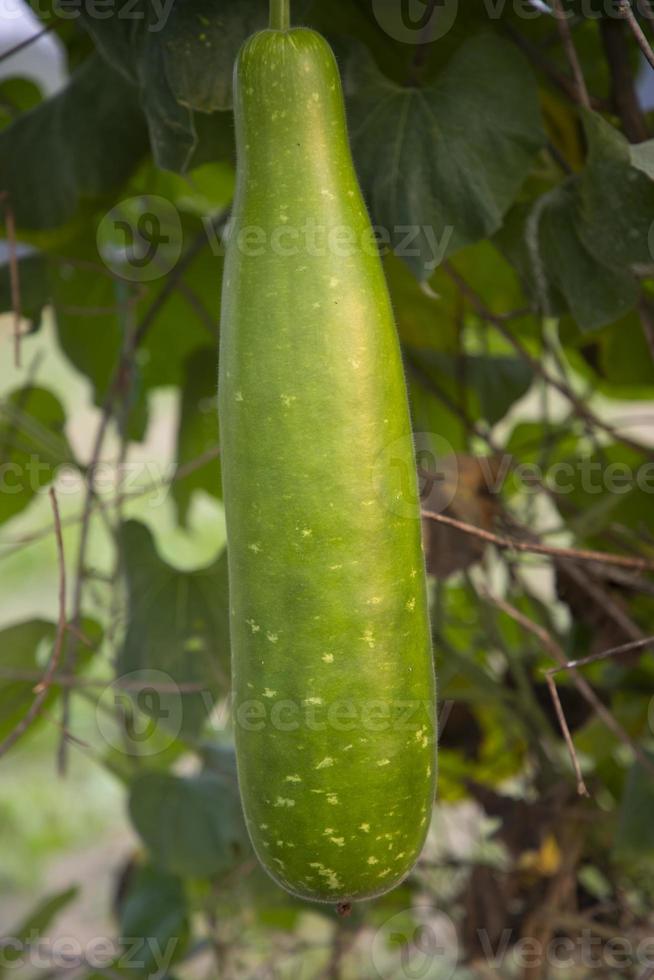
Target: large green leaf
<point>635,834</point>
<point>154,919</point>
<point>32,284</point>
<point>33,445</point>
<point>197,431</point>
<point>25,649</point>
<point>445,162</point>
<point>79,145</point>
<point>179,625</point>
<point>495,382</point>
<point>616,199</point>
<point>191,826</point>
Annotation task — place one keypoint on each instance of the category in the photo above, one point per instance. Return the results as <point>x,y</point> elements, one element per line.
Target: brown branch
<point>534,547</point>
<point>562,82</point>
<point>74,682</point>
<point>571,54</point>
<point>26,43</point>
<point>41,690</point>
<point>584,688</point>
<point>647,641</point>
<point>582,789</point>
<point>624,8</point>
<point>623,92</point>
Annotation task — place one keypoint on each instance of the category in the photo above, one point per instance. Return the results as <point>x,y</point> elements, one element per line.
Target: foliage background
<point>534,339</point>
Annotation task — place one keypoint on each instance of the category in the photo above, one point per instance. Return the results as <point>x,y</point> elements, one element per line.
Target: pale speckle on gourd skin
<point>306,532</point>
<point>283,801</point>
<point>339,841</point>
<point>269,694</point>
<point>238,397</point>
<point>272,637</point>
<point>253,626</point>
<point>325,763</point>
<point>263,826</point>
<point>365,827</point>
<point>411,605</point>
<point>382,874</point>
<point>312,701</point>
<point>288,400</point>
<point>332,799</point>
<point>348,747</point>
<point>398,857</point>
<point>293,779</point>
<point>255,547</point>
<point>369,638</point>
<point>373,860</point>
<point>384,762</point>
<point>334,282</point>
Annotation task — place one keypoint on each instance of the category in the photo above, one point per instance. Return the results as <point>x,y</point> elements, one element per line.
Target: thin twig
<point>581,410</point>
<point>624,97</point>
<point>534,547</point>
<point>647,323</point>
<point>624,8</point>
<point>28,40</point>
<point>584,688</point>
<point>582,789</point>
<point>41,690</point>
<point>594,658</point>
<point>571,53</point>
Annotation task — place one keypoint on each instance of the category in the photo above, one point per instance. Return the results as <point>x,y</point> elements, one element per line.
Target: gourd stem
<point>280,14</point>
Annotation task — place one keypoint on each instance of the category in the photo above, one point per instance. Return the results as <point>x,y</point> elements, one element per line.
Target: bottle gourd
<point>334,690</point>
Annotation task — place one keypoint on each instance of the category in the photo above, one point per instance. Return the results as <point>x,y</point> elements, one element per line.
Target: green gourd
<point>334,689</point>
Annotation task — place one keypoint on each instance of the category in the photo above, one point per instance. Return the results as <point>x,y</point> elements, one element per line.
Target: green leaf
<point>191,826</point>
<point>616,200</point>
<point>154,919</point>
<point>178,624</point>
<point>635,833</point>
<point>33,445</point>
<point>642,157</point>
<point>200,42</point>
<point>444,162</point>
<point>495,383</point>
<point>94,308</point>
<point>78,145</point>
<point>33,285</point>
<point>197,431</point>
<point>595,293</point>
<point>17,95</point>
<point>34,926</point>
<point>25,648</point>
